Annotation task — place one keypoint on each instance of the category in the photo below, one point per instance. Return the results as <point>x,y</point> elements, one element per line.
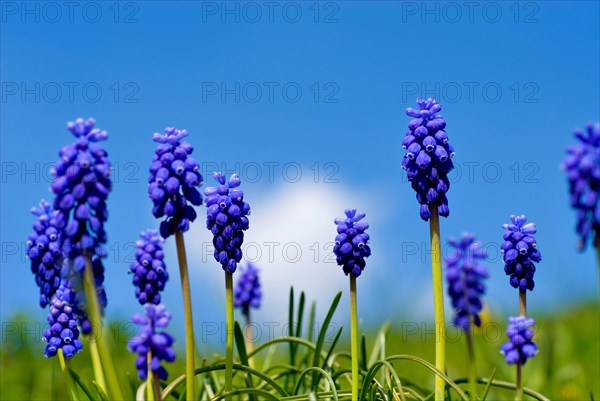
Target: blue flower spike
<point>428,158</point>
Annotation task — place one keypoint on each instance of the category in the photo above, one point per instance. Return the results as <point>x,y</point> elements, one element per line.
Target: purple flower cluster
<point>226,218</point>
<point>583,172</point>
<point>351,247</point>
<point>149,271</point>
<point>428,157</point>
<point>81,186</point>
<point>63,332</point>
<point>520,346</point>
<point>43,249</point>
<point>247,292</point>
<point>520,252</point>
<point>174,181</point>
<point>465,277</point>
<point>149,340</point>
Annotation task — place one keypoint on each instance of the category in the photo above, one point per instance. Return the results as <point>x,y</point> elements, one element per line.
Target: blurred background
<point>305,101</point>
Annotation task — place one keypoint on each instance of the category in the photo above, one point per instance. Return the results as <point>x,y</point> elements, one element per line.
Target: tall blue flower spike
<point>582,165</point>
<point>81,187</point>
<point>428,157</point>
<point>149,271</point>
<point>520,346</point>
<point>465,275</point>
<point>227,218</point>
<point>174,182</point>
<point>351,244</point>
<point>520,252</point>
<point>159,343</point>
<point>43,249</point>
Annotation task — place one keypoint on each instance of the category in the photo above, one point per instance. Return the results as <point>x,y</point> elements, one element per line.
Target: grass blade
<point>323,333</point>
<point>82,385</point>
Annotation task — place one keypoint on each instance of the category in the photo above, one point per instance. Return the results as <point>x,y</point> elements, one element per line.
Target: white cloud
<point>290,240</point>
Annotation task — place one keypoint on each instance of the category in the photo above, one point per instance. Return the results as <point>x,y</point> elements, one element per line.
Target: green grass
<point>566,368</point>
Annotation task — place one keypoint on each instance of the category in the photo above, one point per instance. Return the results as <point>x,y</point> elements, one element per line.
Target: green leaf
<point>323,332</point>
<point>311,320</point>
<point>300,315</point>
<point>433,369</point>
<point>82,385</point>
<point>317,371</point>
<point>487,387</point>
<point>291,327</point>
<point>363,352</point>
<point>101,392</point>
<point>331,348</point>
<point>241,347</point>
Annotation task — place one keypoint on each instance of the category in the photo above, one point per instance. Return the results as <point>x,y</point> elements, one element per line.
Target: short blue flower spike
<point>351,244</point>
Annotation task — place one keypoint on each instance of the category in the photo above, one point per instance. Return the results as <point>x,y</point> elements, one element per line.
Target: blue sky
<point>307,103</point>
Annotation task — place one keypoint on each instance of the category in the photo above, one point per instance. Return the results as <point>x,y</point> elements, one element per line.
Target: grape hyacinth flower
<point>63,332</point>
<point>174,182</point>
<point>81,186</point>
<point>428,157</point>
<point>247,293</point>
<point>465,277</point>
<point>583,172</point>
<point>226,218</point>
<point>520,252</point>
<point>520,346</point>
<point>43,249</point>
<point>149,271</point>
<point>351,247</point>
<point>149,340</point>
<point>350,250</point>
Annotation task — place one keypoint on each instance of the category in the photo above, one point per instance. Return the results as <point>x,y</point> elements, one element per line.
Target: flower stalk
<point>93,309</point>
<point>472,365</point>
<point>189,323</point>
<point>438,301</point>
<point>354,337</point>
<point>97,363</point>
<point>229,333</point>
<point>64,366</point>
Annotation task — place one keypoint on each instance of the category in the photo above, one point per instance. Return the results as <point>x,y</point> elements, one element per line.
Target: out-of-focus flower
<point>247,292</point>
<point>520,346</point>
<point>149,339</point>
<point>582,165</point>
<point>465,275</point>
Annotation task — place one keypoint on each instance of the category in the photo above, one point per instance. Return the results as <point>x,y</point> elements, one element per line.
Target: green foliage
<point>394,364</point>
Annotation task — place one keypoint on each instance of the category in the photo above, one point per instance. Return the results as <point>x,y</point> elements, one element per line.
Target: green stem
<point>229,333</point>
<point>519,384</point>
<point>472,366</point>
<point>97,364</point>
<point>438,301</point>
<point>93,310</point>
<point>157,389</point>
<point>248,335</point>
<point>189,323</point>
<point>354,337</point>
<point>522,312</point>
<point>149,386</point>
<point>64,365</point>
